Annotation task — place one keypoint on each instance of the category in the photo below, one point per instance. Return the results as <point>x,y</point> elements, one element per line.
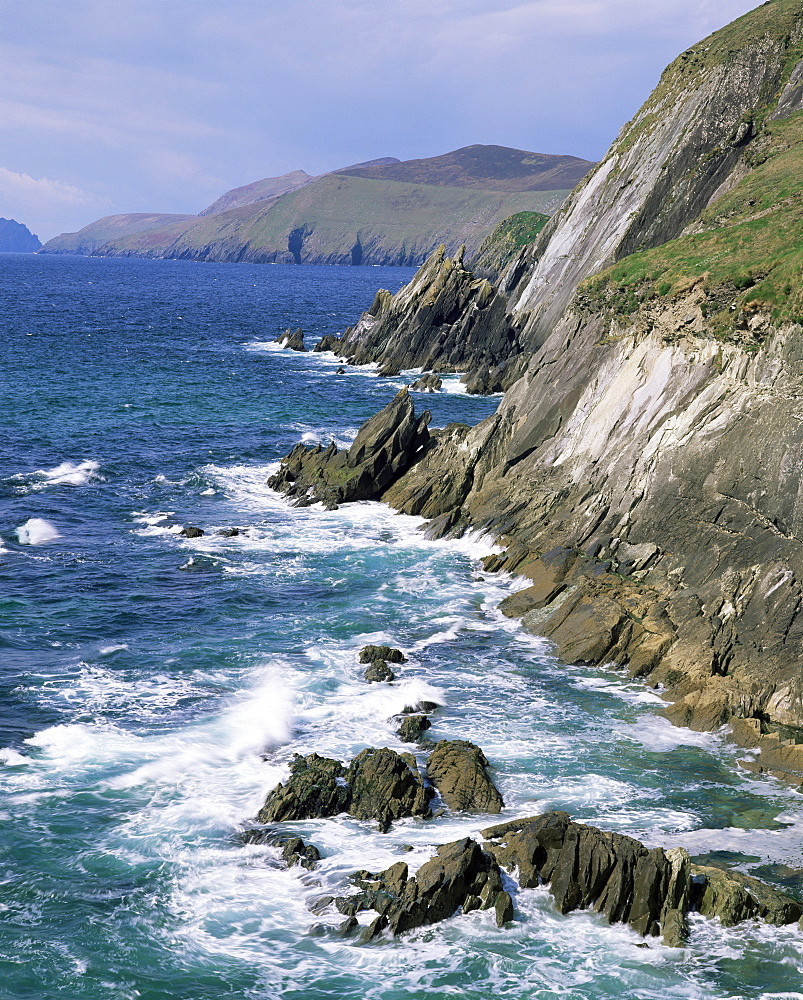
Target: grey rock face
<point>443,321</point>
<point>458,769</point>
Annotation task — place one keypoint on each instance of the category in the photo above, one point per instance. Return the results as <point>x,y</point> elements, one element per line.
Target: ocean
<point>154,686</point>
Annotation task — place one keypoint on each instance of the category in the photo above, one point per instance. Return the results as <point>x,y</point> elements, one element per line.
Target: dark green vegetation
<point>380,213</point>
<point>16,238</point>
<point>497,168</point>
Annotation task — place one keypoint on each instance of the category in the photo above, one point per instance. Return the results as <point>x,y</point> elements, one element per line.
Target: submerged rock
<point>427,383</point>
<point>458,770</point>
<point>190,531</point>
<point>385,446</point>
<point>294,850</point>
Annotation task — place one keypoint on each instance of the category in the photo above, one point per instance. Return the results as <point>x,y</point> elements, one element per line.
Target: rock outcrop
<point>458,769</point>
<point>445,320</point>
<point>292,340</point>
<point>369,654</point>
<point>293,849</point>
<point>651,890</point>
<point>378,784</point>
<point>460,876</point>
<point>384,448</point>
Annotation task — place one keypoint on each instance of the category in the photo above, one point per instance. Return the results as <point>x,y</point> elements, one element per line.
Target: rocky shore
<point>643,469</point>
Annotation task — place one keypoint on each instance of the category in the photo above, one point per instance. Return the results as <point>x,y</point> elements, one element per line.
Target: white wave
<point>264,345</point>
<point>37,531</point>
<point>655,733</point>
<point>71,474</point>
<point>11,758</point>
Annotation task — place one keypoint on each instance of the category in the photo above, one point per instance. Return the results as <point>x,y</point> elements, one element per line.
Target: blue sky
<point>113,106</point>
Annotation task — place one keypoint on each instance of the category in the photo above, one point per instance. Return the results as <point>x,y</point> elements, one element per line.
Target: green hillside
<point>505,242</point>
<point>115,227</point>
<point>341,219</point>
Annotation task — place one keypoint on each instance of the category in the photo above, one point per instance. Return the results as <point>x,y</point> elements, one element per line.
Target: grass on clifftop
<point>747,252</point>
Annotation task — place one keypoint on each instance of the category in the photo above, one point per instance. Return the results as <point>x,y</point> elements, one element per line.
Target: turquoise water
<point>154,687</point>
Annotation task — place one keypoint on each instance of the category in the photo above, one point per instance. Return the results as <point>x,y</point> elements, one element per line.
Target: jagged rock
<point>370,653</point>
<point>420,706</point>
<point>378,784</point>
<point>614,874</point>
<point>386,786</point>
<point>458,770</point>
<point>460,874</point>
<point>378,670</point>
<point>315,789</point>
<point>294,850</point>
<point>228,532</point>
<point>445,320</point>
<point>412,727</point>
<point>427,383</point>
<point>340,371</point>
<point>328,342</point>
<point>192,532</point>
<point>504,909</point>
<point>292,340</point>
<point>384,448</point>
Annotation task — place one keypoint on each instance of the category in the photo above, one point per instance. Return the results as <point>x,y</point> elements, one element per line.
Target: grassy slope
<point>338,209</point>
<point>747,250</point>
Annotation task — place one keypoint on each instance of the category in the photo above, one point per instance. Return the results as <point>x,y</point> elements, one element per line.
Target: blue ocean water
<point>154,687</point>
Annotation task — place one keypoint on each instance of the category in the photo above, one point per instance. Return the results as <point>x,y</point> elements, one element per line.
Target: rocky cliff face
<point>645,470</point>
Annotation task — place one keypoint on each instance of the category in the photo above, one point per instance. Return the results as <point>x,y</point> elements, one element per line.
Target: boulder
<point>460,875</point>
<point>458,769</point>
<point>385,446</point>
<point>370,653</point>
<point>292,340</point>
<point>328,342</point>
<point>192,532</point>
<point>228,532</point>
<point>378,670</point>
<point>412,727</point>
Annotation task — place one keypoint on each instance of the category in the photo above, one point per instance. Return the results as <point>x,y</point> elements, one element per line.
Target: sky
<point>110,106</point>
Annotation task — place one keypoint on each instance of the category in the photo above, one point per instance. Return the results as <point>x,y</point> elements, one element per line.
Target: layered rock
<point>617,876</point>
<point>384,448</point>
<point>445,320</point>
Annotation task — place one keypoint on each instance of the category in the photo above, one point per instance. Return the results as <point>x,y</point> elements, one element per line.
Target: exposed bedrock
<point>445,320</point>
<point>384,448</point>
<point>650,488</point>
<point>379,784</point>
<point>651,890</point>
<point>459,770</point>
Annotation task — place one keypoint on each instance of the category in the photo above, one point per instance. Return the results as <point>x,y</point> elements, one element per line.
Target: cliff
<point>384,212</point>
<point>16,238</point>
<point>645,470</point>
